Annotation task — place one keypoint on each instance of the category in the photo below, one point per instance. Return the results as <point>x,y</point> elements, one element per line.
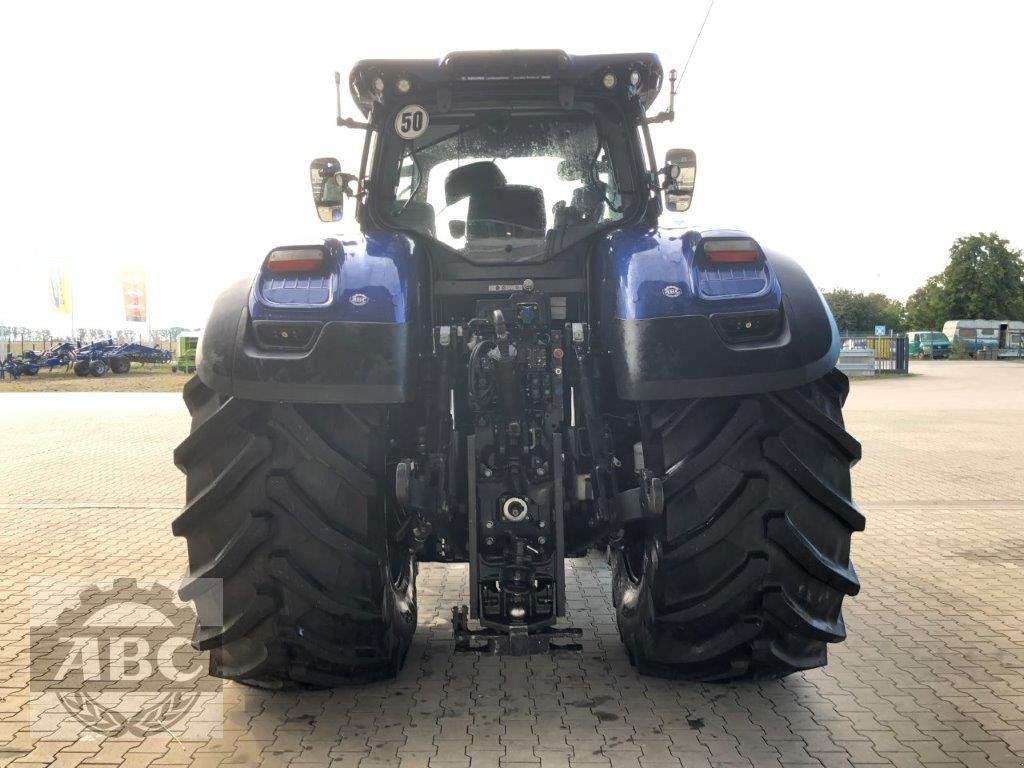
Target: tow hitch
<point>516,641</point>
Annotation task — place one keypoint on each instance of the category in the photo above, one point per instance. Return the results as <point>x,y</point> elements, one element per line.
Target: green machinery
<point>185,361</point>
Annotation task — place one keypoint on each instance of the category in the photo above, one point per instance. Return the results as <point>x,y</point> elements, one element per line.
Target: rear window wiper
<point>458,132</point>
<point>497,119</point>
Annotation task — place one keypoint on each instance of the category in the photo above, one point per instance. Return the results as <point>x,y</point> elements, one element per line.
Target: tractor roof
<point>500,72</point>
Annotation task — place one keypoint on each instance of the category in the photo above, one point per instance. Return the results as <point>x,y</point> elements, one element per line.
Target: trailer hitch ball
<point>514,509</point>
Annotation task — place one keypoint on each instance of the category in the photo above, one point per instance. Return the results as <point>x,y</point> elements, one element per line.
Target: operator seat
<point>514,210</point>
<point>469,179</point>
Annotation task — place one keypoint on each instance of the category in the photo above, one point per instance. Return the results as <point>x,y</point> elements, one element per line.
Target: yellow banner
<point>133,286</point>
<point>60,290</point>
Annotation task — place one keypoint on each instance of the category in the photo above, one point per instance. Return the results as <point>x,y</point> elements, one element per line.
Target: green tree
<point>168,334</point>
<point>926,307</point>
<point>860,312</point>
<point>984,279</point>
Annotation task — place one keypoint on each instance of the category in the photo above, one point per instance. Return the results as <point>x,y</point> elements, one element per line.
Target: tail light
<point>732,251</point>
<point>290,260</point>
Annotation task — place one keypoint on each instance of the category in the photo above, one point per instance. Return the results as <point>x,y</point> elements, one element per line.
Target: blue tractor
<point>514,359</point>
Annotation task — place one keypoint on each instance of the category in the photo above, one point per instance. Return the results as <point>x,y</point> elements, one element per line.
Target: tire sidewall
<point>399,609</point>
<point>632,595</point>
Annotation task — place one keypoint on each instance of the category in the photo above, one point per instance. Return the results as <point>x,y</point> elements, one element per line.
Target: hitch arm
<point>592,420</point>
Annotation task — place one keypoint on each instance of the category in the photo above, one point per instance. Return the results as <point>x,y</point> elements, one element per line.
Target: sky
<point>861,138</point>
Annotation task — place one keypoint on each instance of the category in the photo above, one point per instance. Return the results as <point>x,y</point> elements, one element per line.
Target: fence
<point>866,355</point>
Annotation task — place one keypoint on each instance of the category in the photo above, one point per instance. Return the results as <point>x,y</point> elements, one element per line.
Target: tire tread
<point>286,515</point>
<point>746,578</point>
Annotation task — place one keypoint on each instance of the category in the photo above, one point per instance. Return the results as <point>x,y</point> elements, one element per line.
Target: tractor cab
<point>509,157</point>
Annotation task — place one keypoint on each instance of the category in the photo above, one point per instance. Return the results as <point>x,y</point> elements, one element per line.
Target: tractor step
<point>518,641</point>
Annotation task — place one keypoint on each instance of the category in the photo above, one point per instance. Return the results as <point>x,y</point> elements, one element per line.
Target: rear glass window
<point>498,187</point>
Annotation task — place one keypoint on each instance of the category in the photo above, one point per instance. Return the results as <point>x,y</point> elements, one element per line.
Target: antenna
<point>670,114</point>
<point>697,39</point>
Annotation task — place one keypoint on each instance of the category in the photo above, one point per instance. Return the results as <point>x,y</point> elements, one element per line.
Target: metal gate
<point>866,355</point>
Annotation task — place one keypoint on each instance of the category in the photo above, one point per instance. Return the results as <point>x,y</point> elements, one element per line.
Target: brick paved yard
<point>932,672</point>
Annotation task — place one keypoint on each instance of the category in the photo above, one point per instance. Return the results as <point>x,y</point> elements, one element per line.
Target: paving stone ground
<point>932,672</point>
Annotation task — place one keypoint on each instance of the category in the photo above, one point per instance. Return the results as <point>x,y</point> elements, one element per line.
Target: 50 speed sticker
<point>411,122</point>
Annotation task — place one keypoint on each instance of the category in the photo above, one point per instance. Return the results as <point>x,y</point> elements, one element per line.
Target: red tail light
<point>739,251</point>
<point>306,259</point>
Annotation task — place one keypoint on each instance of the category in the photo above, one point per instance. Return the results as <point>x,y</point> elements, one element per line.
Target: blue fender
<point>342,335</point>
<point>680,326</point>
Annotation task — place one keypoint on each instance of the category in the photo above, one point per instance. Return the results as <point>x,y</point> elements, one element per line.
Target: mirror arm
<point>668,115</point>
<point>348,122</point>
<point>666,171</point>
<point>346,180</point>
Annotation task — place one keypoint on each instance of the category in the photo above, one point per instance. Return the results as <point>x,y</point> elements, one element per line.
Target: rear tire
<point>287,506</point>
<point>120,365</point>
<point>98,368</point>
<point>29,369</point>
<point>81,368</point>
<point>747,574</point>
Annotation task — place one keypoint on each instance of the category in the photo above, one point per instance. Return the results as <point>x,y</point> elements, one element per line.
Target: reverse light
<point>738,251</point>
<point>285,335</point>
<point>304,259</point>
<point>609,80</point>
<point>751,326</point>
<point>378,84</point>
<point>403,85</point>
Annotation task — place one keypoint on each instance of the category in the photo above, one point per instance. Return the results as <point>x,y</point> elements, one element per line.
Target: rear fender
<point>342,336</point>
<point>680,327</point>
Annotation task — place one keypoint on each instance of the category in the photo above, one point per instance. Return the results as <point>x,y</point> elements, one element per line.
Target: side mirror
<point>680,176</point>
<point>328,186</point>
